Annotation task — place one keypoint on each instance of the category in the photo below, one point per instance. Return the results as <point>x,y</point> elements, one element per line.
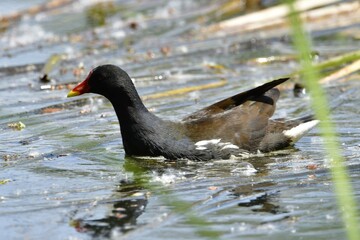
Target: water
<point>9,7</point>
<point>65,175</point>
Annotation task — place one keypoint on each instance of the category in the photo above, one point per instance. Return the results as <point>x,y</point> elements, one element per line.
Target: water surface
<point>65,175</point>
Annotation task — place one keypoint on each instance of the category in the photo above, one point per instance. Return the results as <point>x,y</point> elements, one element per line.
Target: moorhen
<point>229,128</point>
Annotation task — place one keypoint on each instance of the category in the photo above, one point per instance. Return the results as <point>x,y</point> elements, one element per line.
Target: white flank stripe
<point>201,148</point>
<point>213,144</point>
<point>206,142</point>
<point>300,130</point>
<point>229,146</point>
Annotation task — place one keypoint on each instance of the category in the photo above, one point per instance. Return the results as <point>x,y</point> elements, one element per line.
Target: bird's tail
<point>297,128</point>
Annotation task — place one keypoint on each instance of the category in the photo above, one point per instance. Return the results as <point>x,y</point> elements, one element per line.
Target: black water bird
<point>232,127</point>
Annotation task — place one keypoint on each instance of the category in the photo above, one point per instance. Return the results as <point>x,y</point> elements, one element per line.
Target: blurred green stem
<point>343,188</point>
<point>336,61</point>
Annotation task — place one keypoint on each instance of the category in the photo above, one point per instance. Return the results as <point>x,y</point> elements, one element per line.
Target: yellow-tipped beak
<point>81,88</point>
<point>73,93</point>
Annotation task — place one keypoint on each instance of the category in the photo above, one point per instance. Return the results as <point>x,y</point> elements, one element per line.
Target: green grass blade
<point>343,188</point>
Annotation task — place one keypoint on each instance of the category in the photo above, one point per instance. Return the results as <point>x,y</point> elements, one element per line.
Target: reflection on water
<point>121,218</point>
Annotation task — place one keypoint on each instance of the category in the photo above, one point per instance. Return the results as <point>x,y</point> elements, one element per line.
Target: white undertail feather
<point>300,130</point>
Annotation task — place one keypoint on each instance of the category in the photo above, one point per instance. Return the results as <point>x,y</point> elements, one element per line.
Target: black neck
<point>138,126</point>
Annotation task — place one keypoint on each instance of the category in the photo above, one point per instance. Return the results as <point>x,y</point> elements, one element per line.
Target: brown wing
<point>241,119</point>
<point>236,100</point>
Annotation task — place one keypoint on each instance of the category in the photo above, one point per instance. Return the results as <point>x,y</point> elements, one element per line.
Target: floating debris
<point>218,68</point>
<point>98,13</point>
<point>312,166</point>
<point>79,70</point>
<point>133,25</point>
<point>50,64</point>
<point>4,181</point>
<point>165,50</point>
<point>185,90</point>
<point>45,78</point>
<point>50,110</point>
<point>10,157</point>
<point>17,126</point>
<point>299,90</point>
